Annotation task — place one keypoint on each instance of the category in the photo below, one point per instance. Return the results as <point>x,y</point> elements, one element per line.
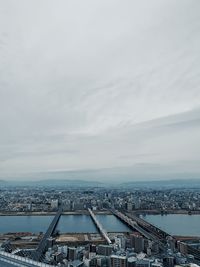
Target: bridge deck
<point>99,226</point>
<point>135,226</point>
<point>43,243</point>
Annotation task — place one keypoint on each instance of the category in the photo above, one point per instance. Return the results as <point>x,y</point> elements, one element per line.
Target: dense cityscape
<point>41,199</point>
<point>140,244</point>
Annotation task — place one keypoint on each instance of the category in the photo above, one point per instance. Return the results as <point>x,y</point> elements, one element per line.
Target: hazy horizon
<point>108,89</point>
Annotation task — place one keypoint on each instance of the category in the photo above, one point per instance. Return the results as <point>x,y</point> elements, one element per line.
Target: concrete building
<point>131,262</point>
<point>168,261</point>
<point>54,204</point>
<point>137,242</point>
<point>118,261</point>
<point>105,250</point>
<point>71,255</point>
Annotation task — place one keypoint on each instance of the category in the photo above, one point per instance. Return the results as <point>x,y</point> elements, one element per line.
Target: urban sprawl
<point>145,245</point>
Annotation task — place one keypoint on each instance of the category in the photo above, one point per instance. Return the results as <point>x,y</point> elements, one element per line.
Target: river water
<point>66,224</point>
<point>176,224</point>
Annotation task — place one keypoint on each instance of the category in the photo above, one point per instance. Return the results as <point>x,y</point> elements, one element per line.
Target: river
<point>176,224</point>
<point>66,224</point>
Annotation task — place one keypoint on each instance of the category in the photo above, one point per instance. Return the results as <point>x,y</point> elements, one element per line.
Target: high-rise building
<point>103,261</point>
<point>91,262</point>
<point>105,250</point>
<point>137,242</point>
<point>71,253</point>
<point>118,261</point>
<point>92,248</point>
<point>168,261</point>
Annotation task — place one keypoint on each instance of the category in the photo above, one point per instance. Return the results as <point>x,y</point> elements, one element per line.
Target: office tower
<point>168,261</point>
<point>71,253</point>
<point>118,261</point>
<point>137,242</point>
<point>105,250</point>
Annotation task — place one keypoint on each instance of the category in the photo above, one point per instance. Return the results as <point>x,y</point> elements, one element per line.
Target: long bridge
<point>133,224</point>
<point>162,234</point>
<point>43,243</point>
<point>99,227</point>
<point>149,227</point>
<point>152,232</point>
<point>189,249</point>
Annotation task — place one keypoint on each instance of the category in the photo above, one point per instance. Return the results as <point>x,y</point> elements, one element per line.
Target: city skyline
<point>105,87</point>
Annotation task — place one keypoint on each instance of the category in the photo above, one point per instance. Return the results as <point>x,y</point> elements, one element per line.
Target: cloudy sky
<point>104,86</point>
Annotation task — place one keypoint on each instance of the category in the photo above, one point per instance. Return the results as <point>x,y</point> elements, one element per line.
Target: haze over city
<point>101,87</point>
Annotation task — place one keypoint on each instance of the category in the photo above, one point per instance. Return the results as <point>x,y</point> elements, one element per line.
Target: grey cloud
<point>98,85</point>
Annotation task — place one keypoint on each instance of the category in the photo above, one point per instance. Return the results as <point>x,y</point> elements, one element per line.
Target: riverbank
<point>51,213</point>
<point>85,212</point>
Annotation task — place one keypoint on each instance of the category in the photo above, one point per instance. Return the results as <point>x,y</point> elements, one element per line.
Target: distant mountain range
<point>139,175</point>
<point>176,183</point>
<point>51,182</point>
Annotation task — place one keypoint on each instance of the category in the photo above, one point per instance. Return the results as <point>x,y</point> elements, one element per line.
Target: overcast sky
<point>105,84</point>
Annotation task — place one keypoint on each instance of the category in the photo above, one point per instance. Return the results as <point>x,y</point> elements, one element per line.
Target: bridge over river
<point>38,254</point>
